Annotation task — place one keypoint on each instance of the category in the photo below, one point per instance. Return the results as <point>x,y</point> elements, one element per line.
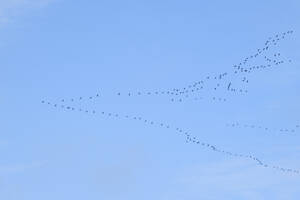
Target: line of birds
<point>267,45</point>
<point>220,80</point>
<point>214,99</point>
<point>263,128</point>
<point>176,92</point>
<point>239,69</point>
<point>229,87</point>
<point>272,41</point>
<point>189,138</point>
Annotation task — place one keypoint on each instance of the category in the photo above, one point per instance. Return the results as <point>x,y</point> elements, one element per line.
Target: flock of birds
<point>225,82</point>
<point>213,83</point>
<point>264,128</point>
<point>188,136</point>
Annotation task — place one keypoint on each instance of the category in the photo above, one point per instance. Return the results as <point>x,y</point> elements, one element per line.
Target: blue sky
<point>54,50</point>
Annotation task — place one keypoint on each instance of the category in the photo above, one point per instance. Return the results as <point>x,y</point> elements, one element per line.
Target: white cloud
<point>9,9</point>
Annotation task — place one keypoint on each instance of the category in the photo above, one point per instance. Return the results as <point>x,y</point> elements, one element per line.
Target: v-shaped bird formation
<point>234,81</point>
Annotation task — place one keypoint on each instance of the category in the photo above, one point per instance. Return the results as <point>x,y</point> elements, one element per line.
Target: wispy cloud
<point>12,8</point>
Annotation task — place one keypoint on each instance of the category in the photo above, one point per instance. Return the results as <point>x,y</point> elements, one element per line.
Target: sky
<point>67,52</point>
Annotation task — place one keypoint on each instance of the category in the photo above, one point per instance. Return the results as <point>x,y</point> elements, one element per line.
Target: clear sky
<point>59,50</point>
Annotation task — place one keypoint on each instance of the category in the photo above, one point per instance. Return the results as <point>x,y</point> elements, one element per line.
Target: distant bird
<point>228,87</point>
